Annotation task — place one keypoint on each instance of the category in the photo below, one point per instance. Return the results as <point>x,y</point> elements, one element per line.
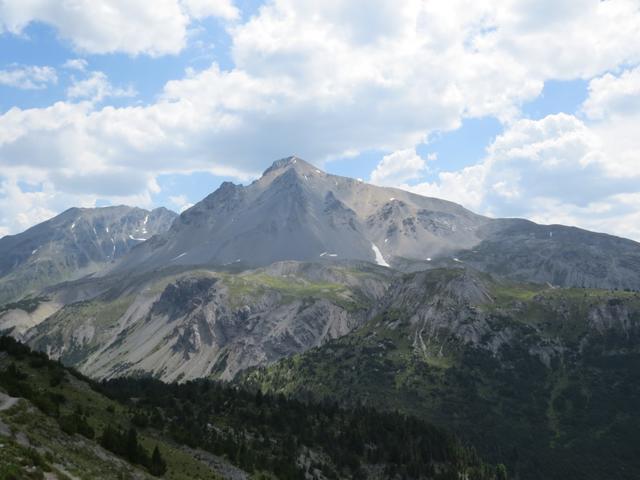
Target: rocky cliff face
<point>207,323</point>
<point>444,311</point>
<point>73,244</point>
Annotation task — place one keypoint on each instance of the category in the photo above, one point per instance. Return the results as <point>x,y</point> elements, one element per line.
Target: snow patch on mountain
<point>379,258</point>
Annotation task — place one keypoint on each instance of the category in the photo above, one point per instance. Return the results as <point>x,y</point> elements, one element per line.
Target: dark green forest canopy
<point>256,432</point>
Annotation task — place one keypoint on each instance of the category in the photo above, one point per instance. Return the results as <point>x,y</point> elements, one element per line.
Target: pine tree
<point>501,472</point>
<point>110,440</point>
<point>132,445</point>
<point>158,466</point>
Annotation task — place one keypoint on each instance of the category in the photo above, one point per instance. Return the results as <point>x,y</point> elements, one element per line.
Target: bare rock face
<point>444,311</point>
<point>207,323</point>
<point>77,242</point>
<point>297,212</point>
<point>441,310</point>
<point>612,315</point>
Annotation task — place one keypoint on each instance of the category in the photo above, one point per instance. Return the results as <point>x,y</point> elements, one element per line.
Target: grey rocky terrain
<point>562,256</point>
<point>297,212</point>
<point>78,242</point>
<point>210,323</point>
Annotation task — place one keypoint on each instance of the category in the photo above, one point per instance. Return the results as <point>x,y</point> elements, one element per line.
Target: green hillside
<point>54,423</point>
<point>546,380</point>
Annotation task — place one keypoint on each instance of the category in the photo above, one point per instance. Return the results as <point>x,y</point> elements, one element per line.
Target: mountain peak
<point>287,163</point>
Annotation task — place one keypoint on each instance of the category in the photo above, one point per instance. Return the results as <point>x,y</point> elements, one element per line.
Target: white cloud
<point>79,64</point>
<point>96,87</point>
<point>613,112</point>
<point>19,210</point>
<point>107,26</point>
<point>557,157</point>
<point>325,79</point>
<point>211,8</point>
<point>180,202</point>
<point>562,169</point>
<point>612,95</point>
<point>30,77</point>
<point>399,167</point>
<point>567,38</point>
<point>465,187</point>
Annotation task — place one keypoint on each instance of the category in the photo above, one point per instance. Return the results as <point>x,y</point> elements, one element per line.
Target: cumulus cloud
<point>96,87</point>
<point>612,95</point>
<point>180,202</point>
<point>29,77</point>
<point>399,167</point>
<point>613,112</point>
<point>130,26</point>
<point>211,8</point>
<point>465,186</point>
<point>562,169</point>
<point>79,64</point>
<point>326,79</point>
<point>567,39</point>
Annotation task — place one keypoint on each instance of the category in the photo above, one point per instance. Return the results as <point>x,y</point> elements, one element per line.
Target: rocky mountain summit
<point>295,211</point>
<point>298,212</point>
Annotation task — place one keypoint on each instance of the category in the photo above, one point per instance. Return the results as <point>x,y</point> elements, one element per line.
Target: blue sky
<point>164,104</point>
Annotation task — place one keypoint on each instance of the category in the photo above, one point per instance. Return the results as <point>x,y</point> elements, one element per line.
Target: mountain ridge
<point>295,204</point>
<point>78,242</point>
<point>295,211</point>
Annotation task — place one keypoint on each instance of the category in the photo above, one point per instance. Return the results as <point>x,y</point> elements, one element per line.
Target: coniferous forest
<point>264,435</point>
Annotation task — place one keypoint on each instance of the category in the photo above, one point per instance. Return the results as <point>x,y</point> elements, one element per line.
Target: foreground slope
<point>77,242</point>
<point>544,379</point>
<point>52,424</point>
<point>56,423</point>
